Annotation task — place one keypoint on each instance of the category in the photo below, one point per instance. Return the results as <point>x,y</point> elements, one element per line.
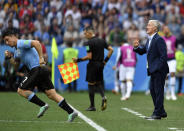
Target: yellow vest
<point>179,55</point>
<point>70,53</point>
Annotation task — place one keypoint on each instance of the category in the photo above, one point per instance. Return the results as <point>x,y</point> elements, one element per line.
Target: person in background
<point>179,68</point>
<point>126,70</point>
<point>170,83</point>
<point>157,66</point>
<point>10,72</point>
<point>116,75</point>
<point>68,54</point>
<point>2,79</point>
<point>94,76</point>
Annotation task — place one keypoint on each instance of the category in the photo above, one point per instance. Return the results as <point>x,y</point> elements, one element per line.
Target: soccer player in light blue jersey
<point>30,53</point>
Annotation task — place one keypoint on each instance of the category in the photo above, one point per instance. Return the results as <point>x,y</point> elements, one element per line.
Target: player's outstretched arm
<point>87,57</point>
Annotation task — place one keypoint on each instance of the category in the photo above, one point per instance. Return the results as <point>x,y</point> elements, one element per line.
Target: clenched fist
<point>7,54</point>
<point>136,43</point>
<point>42,62</point>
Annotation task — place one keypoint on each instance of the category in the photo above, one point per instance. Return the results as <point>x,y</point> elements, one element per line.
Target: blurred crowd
<point>113,20</point>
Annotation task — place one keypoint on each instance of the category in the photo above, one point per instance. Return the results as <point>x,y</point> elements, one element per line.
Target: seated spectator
<point>43,34</point>
<point>10,4</point>
<point>57,3</point>
<point>142,8</point>
<point>53,13</point>
<point>2,12</point>
<point>174,26</point>
<point>27,34</point>
<point>132,33</point>
<point>128,13</point>
<point>76,15</point>
<point>172,9</point>
<point>55,31</point>
<point>38,22</point>
<point>68,21</point>
<point>11,17</point>
<point>116,36</point>
<point>9,73</point>
<point>25,24</point>
<point>2,79</point>
<point>85,8</point>
<point>180,40</point>
<point>71,35</point>
<point>113,4</point>
<point>159,14</point>
<point>1,28</point>
<point>24,10</point>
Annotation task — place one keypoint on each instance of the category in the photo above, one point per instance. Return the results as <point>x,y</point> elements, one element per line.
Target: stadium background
<point>113,20</point>
<point>141,80</point>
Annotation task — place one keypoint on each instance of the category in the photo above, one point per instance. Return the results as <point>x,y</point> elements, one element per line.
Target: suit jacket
<point>156,55</point>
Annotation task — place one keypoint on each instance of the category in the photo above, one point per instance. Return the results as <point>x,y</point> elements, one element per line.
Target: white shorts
<point>172,65</point>
<point>126,73</point>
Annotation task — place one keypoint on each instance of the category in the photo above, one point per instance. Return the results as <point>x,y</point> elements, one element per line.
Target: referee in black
<point>95,54</point>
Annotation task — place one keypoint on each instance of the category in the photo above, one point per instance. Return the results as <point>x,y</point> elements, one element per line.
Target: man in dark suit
<point>157,66</point>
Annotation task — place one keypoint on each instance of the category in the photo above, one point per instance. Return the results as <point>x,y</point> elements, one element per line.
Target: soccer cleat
<point>168,97</point>
<point>42,110</point>
<point>115,92</point>
<point>124,98</point>
<point>72,116</point>
<point>173,98</point>
<point>104,104</point>
<point>91,109</point>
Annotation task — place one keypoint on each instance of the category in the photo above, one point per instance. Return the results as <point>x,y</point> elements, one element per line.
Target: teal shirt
<point>26,53</point>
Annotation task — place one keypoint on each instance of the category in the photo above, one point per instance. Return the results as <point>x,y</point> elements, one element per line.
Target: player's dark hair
<point>9,32</point>
<point>88,28</point>
<point>69,43</point>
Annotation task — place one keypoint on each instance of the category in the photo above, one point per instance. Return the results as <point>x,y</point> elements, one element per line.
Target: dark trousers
<point>72,86</point>
<point>157,92</point>
<point>180,80</point>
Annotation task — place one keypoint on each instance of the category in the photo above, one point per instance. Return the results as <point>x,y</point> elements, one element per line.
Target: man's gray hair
<point>156,24</point>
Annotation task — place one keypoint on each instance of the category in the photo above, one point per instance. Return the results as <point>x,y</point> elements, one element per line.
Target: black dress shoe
<point>153,117</point>
<point>91,109</point>
<point>164,115</point>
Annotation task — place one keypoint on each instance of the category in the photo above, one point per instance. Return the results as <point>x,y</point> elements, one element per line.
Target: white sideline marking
<point>142,116</point>
<point>33,121</point>
<point>136,113</point>
<point>176,129</point>
<point>89,121</point>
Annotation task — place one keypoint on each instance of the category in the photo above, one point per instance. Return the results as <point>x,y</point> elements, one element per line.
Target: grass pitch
<point>17,114</point>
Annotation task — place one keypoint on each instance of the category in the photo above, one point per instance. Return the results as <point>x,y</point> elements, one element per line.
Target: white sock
<point>122,89</point>
<point>129,88</point>
<point>116,88</point>
<point>172,85</point>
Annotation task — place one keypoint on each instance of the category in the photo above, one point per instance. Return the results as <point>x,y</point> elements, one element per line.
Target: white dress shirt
<point>150,39</point>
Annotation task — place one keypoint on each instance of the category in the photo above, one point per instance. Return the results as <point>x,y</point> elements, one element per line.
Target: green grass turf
<point>23,114</point>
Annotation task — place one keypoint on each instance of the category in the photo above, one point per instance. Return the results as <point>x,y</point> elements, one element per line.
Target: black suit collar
<point>152,41</point>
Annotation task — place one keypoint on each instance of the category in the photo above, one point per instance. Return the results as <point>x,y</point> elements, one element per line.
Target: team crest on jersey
<point>26,42</point>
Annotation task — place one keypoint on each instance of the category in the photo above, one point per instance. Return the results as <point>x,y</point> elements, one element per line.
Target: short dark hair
<point>69,43</point>
<point>9,31</point>
<point>88,28</point>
